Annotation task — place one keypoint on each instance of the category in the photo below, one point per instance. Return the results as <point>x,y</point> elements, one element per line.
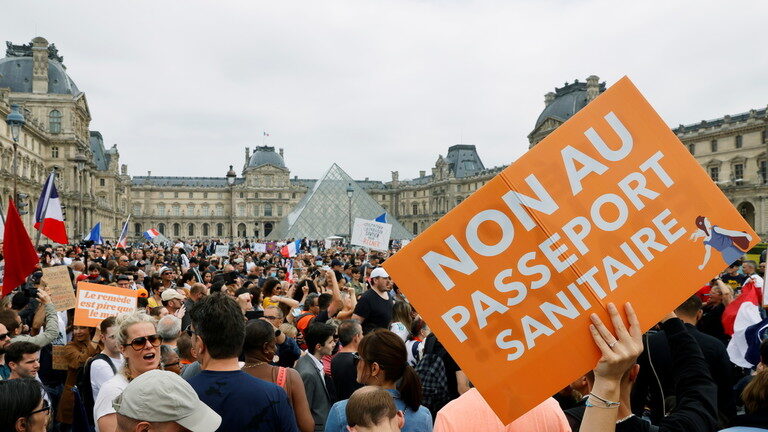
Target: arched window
<point>54,121</point>
<point>191,229</point>
<point>267,209</point>
<point>220,229</point>
<point>415,209</point>
<point>267,228</point>
<point>206,229</point>
<point>54,152</point>
<point>415,228</point>
<point>161,228</point>
<point>241,230</point>
<point>137,229</point>
<point>176,230</point>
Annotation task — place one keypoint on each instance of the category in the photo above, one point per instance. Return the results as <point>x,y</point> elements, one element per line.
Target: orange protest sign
<point>96,302</point>
<point>610,207</point>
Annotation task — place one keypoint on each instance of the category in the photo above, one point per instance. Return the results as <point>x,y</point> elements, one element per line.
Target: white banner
<point>371,234</point>
<point>222,250</point>
<point>260,247</point>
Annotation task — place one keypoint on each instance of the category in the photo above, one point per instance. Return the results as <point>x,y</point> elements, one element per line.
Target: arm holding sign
<point>51,324</point>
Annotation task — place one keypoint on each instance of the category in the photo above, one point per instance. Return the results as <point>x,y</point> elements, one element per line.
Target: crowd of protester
<point>325,341</point>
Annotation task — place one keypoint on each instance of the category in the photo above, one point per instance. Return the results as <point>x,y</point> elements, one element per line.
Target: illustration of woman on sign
<point>731,244</point>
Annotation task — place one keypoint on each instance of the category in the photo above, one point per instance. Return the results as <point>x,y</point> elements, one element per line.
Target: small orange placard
<point>611,207</point>
<point>96,302</point>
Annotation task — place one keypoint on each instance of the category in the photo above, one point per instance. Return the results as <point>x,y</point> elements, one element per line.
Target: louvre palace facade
<point>251,197</point>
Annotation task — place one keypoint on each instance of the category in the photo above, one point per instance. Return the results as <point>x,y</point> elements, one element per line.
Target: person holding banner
<point>608,405</point>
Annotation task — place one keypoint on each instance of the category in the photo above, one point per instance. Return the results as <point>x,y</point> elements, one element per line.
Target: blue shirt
<point>245,403</point>
<point>415,421</point>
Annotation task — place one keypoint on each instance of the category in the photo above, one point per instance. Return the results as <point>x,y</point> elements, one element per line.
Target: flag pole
<point>45,207</point>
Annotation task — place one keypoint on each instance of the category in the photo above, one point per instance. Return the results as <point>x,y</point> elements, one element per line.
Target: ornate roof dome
<point>569,99</point>
<point>16,70</point>
<point>265,155</point>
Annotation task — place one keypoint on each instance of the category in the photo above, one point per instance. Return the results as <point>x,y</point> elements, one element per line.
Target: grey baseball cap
<point>162,396</point>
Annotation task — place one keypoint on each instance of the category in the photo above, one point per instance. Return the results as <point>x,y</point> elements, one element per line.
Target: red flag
<point>749,294</point>
<point>18,251</point>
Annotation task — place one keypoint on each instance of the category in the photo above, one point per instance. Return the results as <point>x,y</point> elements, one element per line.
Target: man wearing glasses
<point>5,340</point>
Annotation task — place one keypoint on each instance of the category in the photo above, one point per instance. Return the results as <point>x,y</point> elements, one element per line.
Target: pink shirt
<point>470,412</point>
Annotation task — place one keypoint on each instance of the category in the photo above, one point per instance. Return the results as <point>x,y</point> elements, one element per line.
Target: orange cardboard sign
<point>610,207</point>
<point>96,302</point>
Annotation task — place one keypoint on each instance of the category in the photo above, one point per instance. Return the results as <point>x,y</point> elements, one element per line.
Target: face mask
<point>272,274</point>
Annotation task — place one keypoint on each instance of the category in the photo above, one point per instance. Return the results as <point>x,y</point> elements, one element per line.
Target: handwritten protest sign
<point>371,234</point>
<point>59,362</point>
<point>222,250</point>
<point>96,302</point>
<point>62,294</point>
<point>610,207</point>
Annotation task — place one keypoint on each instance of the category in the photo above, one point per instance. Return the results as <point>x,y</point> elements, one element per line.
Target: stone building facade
<point>34,77</point>
<point>251,202</point>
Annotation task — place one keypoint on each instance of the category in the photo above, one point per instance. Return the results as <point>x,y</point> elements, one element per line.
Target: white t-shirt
<point>399,329</point>
<point>109,391</point>
<point>101,373</point>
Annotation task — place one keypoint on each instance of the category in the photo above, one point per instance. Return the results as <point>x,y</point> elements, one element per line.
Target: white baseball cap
<point>379,272</point>
<point>162,396</point>
<point>171,294</point>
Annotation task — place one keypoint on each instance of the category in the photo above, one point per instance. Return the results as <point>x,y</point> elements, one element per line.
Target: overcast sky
<point>182,87</point>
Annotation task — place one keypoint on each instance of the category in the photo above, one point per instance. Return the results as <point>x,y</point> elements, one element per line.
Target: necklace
<point>250,365</point>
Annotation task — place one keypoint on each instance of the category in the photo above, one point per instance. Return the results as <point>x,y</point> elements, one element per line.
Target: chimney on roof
<point>247,155</point>
<point>366,179</point>
<point>39,65</point>
<point>549,98</point>
<point>281,152</point>
<point>422,173</point>
<point>149,173</point>
<point>295,177</point>
<point>593,87</point>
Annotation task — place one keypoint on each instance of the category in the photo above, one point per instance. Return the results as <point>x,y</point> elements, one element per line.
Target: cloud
<point>183,86</point>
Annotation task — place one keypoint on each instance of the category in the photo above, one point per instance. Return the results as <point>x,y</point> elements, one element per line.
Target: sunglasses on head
<point>140,342</point>
<point>189,330</point>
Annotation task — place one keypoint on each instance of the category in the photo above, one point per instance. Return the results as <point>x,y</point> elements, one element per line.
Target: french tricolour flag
<point>49,219</point>
<point>741,318</point>
<point>291,249</point>
<point>150,234</point>
<point>122,241</point>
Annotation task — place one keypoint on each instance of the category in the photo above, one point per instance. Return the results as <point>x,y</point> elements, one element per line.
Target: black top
<point>376,311</point>
<point>432,345</point>
<point>711,322</point>
<point>344,374</point>
<point>658,349</point>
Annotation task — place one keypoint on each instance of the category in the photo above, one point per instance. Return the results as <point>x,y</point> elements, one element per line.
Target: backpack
<point>434,383</point>
<point>83,383</point>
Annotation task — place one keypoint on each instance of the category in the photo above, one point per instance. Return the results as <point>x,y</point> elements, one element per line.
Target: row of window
<point>220,195</point>
<point>206,211</point>
<point>738,143</point>
<point>737,172</point>
<point>206,229</point>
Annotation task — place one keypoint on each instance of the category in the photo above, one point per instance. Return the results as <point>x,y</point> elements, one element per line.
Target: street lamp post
<point>80,160</point>
<point>15,120</point>
<point>350,192</point>
<point>231,175</point>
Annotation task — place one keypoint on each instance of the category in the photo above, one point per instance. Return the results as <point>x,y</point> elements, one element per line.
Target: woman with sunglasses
<point>76,353</point>
<point>140,345</point>
<point>259,349</point>
<point>22,406</point>
<point>382,360</point>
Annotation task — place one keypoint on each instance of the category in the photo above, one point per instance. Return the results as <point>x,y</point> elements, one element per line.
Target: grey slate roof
<point>100,157</point>
<point>265,155</point>
<point>16,73</point>
<point>736,118</point>
<point>568,101</point>
<point>463,160</point>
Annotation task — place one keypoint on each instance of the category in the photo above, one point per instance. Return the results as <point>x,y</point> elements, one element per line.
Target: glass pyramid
<point>324,210</point>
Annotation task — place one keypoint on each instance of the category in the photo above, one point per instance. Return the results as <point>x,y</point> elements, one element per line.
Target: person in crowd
<point>12,322</point>
<point>355,283</point>
<point>173,301</point>
<point>288,352</point>
<point>169,330</point>
<point>471,412</point>
<point>244,403</point>
<point>23,358</point>
<point>140,346</point>
<point>343,370</point>
<point>415,343</point>
<point>608,407</point>
<point>23,406</point>
<point>196,292</point>
<point>259,349</point>
<point>186,354</point>
<point>163,401</point>
<point>372,409</point>
<point>103,367</point>
<point>402,319</point>
<point>169,359</point>
<point>5,341</point>
<point>76,353</point>
<point>657,351</point>
<point>318,386</point>
<point>732,277</point>
<point>711,320</point>
<point>382,361</point>
<point>374,309</point>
